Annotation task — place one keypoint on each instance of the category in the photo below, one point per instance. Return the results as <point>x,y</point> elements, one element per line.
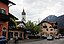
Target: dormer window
<point>44,24</point>
<point>2,11</point>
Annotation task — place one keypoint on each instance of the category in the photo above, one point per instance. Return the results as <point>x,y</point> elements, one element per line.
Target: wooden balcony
<point>4,17</point>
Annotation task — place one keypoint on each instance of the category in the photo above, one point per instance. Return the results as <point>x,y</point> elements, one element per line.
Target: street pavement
<point>56,41</point>
<point>23,41</point>
<point>40,41</point>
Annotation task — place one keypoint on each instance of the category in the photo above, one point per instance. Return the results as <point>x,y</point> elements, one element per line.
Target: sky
<point>37,9</point>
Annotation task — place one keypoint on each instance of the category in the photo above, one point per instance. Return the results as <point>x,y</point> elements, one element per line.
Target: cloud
<point>36,9</point>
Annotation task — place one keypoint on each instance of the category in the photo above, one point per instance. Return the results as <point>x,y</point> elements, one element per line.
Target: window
<point>56,23</point>
<point>51,29</point>
<point>10,34</point>
<point>51,33</point>
<point>44,24</point>
<point>47,29</point>
<point>2,11</point>
<point>16,33</point>
<point>4,32</point>
<point>55,27</point>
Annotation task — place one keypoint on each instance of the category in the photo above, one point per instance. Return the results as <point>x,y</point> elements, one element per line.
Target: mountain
<point>60,21</point>
<point>51,18</point>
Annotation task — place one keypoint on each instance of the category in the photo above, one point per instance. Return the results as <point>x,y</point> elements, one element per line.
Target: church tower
<point>23,16</point>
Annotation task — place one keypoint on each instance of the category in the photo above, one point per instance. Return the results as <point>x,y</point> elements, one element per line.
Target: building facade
<point>4,18</point>
<point>12,26</point>
<point>48,28</point>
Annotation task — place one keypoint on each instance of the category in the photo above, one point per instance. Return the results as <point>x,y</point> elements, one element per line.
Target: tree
<point>29,25</point>
<point>37,29</point>
<point>34,29</point>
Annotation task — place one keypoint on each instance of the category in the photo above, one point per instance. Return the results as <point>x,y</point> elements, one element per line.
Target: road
<point>56,41</point>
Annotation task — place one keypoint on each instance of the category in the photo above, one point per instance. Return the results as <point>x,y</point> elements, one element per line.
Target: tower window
<point>23,19</point>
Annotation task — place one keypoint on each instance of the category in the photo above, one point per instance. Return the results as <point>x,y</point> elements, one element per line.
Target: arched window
<point>2,11</point>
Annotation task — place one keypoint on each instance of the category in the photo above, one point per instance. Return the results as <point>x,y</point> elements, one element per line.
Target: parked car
<point>57,37</point>
<point>2,40</point>
<point>50,38</point>
<point>61,36</point>
<point>44,36</point>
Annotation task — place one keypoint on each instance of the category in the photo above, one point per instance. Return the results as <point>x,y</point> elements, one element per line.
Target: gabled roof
<point>11,2</point>
<point>7,2</point>
<point>10,15</point>
<point>18,22</point>
<point>46,22</point>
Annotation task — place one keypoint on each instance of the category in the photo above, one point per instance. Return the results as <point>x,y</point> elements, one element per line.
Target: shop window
<point>11,34</point>
<point>16,33</point>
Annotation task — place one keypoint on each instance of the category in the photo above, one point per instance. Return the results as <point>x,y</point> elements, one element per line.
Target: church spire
<point>23,13</point>
<point>23,16</point>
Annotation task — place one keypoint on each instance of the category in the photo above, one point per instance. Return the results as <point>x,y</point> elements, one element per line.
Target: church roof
<point>18,22</point>
<point>10,15</point>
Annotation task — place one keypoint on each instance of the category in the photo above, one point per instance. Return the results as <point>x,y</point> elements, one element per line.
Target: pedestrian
<point>15,39</point>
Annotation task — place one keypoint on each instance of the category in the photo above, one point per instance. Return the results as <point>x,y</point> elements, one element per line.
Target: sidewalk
<point>23,41</point>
